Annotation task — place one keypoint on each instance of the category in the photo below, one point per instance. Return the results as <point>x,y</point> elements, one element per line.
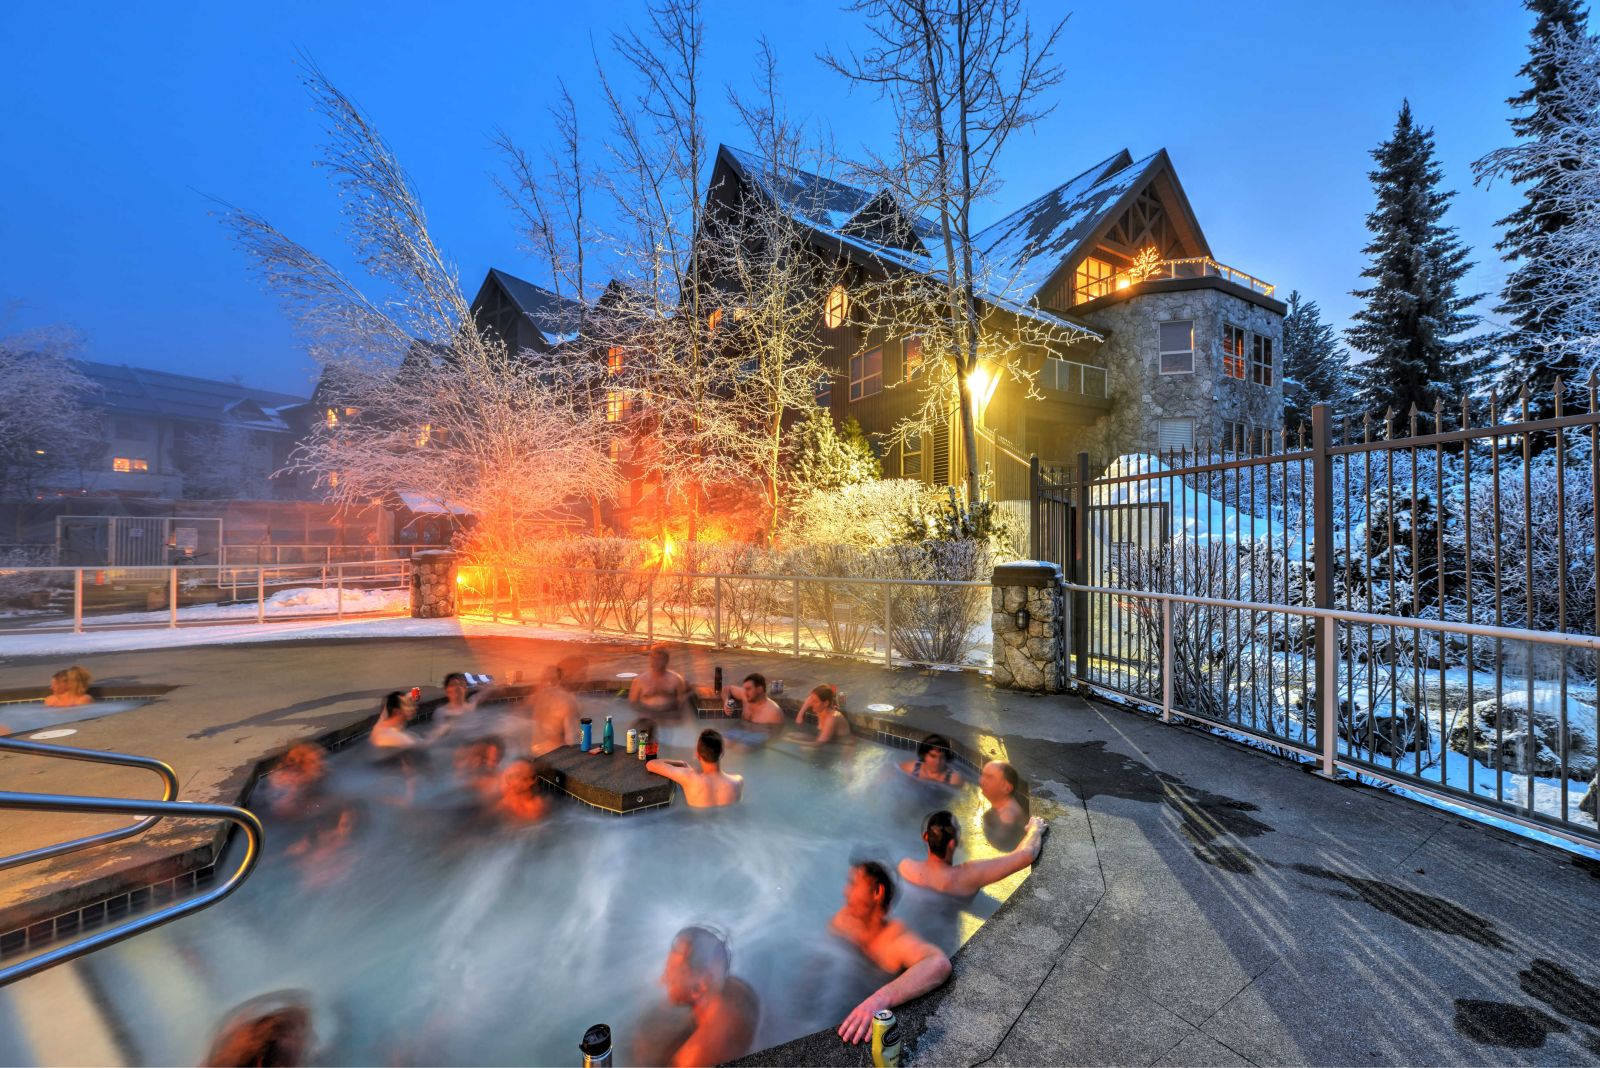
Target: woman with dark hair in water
<point>933,762</point>
<point>823,701</point>
<point>390,732</point>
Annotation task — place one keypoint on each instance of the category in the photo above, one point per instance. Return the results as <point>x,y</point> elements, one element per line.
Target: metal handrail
<point>169,780</point>
<point>120,806</point>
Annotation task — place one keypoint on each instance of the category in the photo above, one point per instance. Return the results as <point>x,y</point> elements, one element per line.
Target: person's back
<point>709,786</point>
<point>937,872</point>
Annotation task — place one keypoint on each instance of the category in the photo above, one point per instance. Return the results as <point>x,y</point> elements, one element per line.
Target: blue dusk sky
<point>121,121</point>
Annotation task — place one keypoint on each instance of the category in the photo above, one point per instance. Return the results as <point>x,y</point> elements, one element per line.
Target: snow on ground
<point>1198,516</point>
<point>67,644</point>
<point>306,601</point>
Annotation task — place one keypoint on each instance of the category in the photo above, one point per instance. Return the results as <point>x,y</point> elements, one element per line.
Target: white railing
<point>1066,376</point>
<point>1164,270</point>
<point>100,598</point>
<point>932,622</point>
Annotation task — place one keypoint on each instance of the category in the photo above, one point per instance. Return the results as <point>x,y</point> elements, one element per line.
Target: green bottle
<point>608,740</point>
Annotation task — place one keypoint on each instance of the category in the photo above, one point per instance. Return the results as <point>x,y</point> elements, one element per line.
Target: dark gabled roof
<point>554,316</point>
<point>140,391</point>
<point>861,224</point>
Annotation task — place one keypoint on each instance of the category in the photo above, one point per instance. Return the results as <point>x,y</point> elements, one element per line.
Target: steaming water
<point>436,936</point>
<point>18,717</point>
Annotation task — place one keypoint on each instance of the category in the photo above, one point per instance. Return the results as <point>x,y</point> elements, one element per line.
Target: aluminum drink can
<point>633,740</point>
<point>885,1039</point>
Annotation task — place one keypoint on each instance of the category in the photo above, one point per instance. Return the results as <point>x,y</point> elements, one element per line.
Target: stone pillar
<point>433,584</point>
<point>1029,656</point>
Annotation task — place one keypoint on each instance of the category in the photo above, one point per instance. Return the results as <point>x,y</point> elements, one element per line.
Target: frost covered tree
<point>1550,116</point>
<point>48,435</point>
<point>1315,366</point>
<point>422,399</point>
<point>1414,314</point>
<point>962,77</point>
<point>226,462</point>
<point>826,456</point>
<point>1553,295</point>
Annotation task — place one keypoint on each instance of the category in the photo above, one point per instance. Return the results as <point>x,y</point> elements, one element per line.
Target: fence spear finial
<point>1438,415</point>
<point>1412,421</point>
<point>1560,388</point>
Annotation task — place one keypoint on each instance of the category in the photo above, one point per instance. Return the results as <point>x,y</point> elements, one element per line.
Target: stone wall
<point>433,584</point>
<point>1142,396</point>
<point>1028,657</point>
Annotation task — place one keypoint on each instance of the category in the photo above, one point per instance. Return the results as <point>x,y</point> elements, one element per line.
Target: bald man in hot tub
<point>659,691</point>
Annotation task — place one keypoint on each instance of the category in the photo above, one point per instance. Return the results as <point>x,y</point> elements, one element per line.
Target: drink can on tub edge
<point>885,1039</point>
<point>633,740</point>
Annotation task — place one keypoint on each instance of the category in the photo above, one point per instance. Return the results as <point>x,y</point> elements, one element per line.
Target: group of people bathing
<point>724,1009</point>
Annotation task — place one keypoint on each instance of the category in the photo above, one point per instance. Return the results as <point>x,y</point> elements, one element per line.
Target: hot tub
<point>434,935</point>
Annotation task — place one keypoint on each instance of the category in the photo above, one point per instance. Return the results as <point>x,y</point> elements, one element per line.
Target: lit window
<point>714,320</point>
<point>333,480</point>
<point>866,374</point>
<point>616,406</point>
<point>351,413</point>
<point>141,465</point>
<point>837,308</point>
<point>1232,351</point>
<point>129,464</point>
<point>1093,278</point>
<point>911,355</point>
<point>613,361</point>
<point>332,418</point>
<point>1261,360</point>
<point>825,391</point>
<point>911,457</point>
<point>424,435</point>
<point>1177,347</point>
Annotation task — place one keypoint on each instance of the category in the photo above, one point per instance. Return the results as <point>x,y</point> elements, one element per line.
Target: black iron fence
<point>1411,600</point>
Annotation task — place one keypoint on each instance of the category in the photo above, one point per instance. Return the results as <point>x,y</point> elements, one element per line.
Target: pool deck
<point>1197,902</point>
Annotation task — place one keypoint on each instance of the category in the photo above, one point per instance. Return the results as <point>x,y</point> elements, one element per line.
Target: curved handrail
<point>122,806</point>
<point>169,779</point>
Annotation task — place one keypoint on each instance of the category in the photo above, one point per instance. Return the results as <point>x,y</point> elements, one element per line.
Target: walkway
<point>1197,903</point>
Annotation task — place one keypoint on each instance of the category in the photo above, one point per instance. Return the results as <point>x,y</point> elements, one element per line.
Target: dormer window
<point>1093,278</point>
<point>836,309</point>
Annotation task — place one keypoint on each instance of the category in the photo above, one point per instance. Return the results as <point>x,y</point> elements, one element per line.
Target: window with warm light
<point>714,320</point>
<point>333,480</point>
<point>1232,351</point>
<point>424,434</point>
<point>616,407</point>
<point>331,418</point>
<point>351,413</point>
<point>911,355</point>
<point>130,465</point>
<point>837,308</point>
<point>866,374</point>
<point>1092,278</point>
<point>613,361</point>
<point>911,457</point>
<point>1261,360</point>
<point>1176,347</point>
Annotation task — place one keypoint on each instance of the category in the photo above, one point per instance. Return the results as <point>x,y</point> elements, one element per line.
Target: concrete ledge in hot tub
<point>616,783</point>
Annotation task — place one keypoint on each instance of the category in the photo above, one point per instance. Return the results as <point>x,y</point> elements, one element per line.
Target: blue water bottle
<point>608,739</point>
<point>588,733</point>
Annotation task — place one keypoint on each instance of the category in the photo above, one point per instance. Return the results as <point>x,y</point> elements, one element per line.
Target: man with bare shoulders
<point>889,944</point>
<point>658,691</point>
<point>937,872</point>
<point>555,713</point>
<point>751,698</point>
<point>710,786</point>
<point>724,1008</point>
<point>1006,820</point>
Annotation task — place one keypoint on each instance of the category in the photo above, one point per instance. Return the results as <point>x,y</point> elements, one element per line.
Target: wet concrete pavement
<point>1197,903</point>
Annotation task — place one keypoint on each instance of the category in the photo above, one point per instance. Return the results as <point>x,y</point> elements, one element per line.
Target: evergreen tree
<point>826,456</point>
<point>1414,315</point>
<point>1315,366</point>
<point>1531,297</point>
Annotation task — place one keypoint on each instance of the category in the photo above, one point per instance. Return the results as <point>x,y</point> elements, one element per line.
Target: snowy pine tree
<point>1315,365</point>
<point>1414,314</point>
<point>825,456</point>
<point>1533,291</point>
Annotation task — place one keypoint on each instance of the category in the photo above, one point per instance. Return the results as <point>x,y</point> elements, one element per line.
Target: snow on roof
<point>428,504</point>
<point>1025,248</point>
<point>1016,248</point>
<point>551,314</point>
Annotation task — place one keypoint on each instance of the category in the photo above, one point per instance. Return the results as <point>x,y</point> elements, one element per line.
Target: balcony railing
<point>1192,267</point>
<point>1065,376</point>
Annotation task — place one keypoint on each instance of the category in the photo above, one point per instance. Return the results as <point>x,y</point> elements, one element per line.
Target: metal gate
<point>136,541</point>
